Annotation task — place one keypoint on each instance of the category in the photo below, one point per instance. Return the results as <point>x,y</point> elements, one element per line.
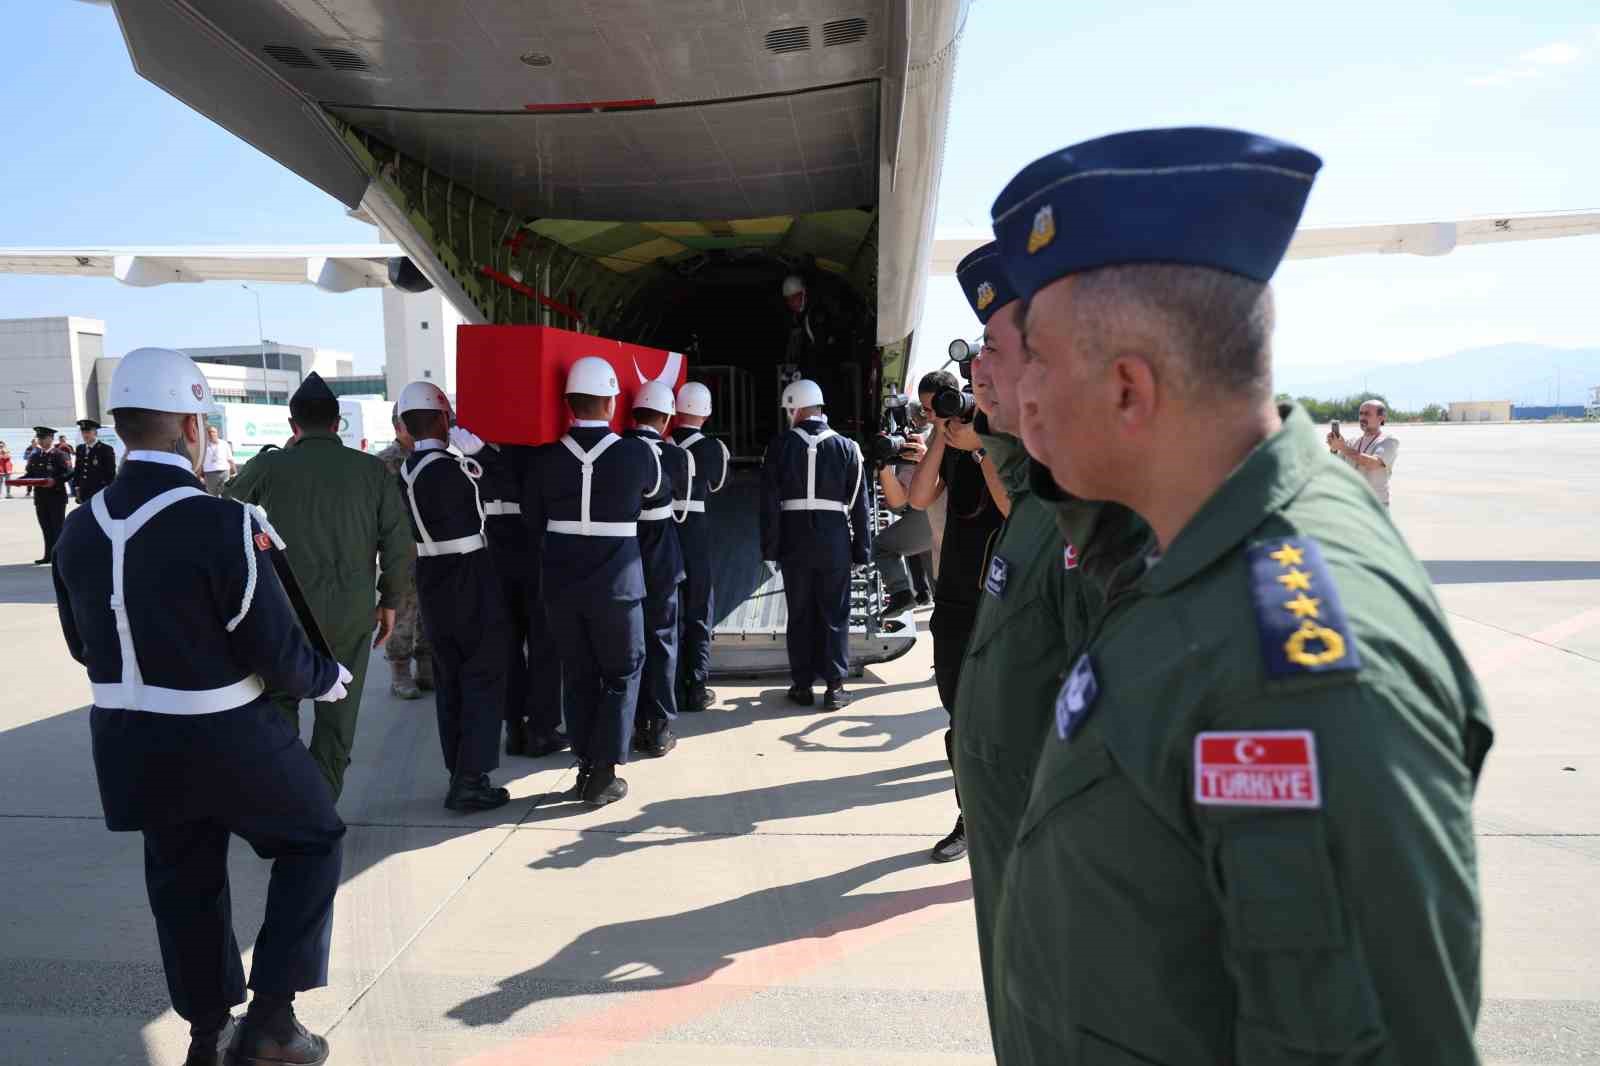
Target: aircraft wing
<point>333,268</point>
<point>1407,238</point>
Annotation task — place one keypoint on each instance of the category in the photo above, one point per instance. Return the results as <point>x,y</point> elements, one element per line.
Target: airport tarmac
<point>762,895</point>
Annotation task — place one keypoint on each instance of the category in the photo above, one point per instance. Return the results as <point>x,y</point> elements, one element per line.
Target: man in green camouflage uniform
<point>1249,839</point>
<point>408,641</point>
<point>338,510</point>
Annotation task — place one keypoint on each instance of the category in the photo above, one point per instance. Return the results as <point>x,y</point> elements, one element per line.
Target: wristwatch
<point>979,454</point>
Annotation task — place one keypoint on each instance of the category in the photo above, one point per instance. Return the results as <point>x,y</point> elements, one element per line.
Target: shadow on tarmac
<point>26,583</point>
<point>1507,571</point>
<point>690,947</point>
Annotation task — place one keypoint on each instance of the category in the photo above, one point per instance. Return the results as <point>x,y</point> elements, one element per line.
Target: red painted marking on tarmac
<point>596,1037</point>
<point>1553,634</point>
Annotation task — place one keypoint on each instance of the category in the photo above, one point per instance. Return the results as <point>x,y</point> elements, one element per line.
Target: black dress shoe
<point>41,562</point>
<point>835,698</point>
<point>656,740</point>
<point>698,698</point>
<point>898,602</point>
<point>210,1049</point>
<point>953,846</point>
<point>800,695</point>
<point>603,786</point>
<point>924,599</point>
<point>578,786</point>
<point>472,792</point>
<point>516,738</point>
<point>542,744</point>
<point>279,1040</point>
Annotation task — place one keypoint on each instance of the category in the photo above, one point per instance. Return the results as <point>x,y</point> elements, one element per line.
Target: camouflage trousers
<point>408,641</point>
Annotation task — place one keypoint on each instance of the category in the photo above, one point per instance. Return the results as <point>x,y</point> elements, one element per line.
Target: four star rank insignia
<point>1302,626</point>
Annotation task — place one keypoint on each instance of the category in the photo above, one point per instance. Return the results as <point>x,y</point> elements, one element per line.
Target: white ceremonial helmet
<point>792,285</point>
<point>423,396</point>
<point>592,376</point>
<point>160,379</point>
<point>802,393</point>
<point>694,399</point>
<point>654,396</point>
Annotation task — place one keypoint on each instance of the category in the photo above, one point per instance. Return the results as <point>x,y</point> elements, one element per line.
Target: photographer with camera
<point>895,453</point>
<point>958,469</point>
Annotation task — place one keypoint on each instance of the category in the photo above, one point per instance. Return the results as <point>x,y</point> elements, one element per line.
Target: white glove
<point>466,442</point>
<point>337,692</point>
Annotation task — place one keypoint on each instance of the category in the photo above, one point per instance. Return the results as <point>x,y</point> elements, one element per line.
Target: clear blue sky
<point>1427,109</point>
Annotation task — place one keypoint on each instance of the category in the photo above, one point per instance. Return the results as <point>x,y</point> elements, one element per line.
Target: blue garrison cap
<point>982,274</point>
<point>1203,197</point>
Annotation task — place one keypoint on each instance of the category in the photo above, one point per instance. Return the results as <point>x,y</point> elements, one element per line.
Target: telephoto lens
<point>953,403</point>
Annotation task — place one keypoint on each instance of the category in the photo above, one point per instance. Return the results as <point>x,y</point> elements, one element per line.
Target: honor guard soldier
<point>95,464</point>
<point>458,596</point>
<point>814,525</point>
<point>50,498</point>
<point>708,472</point>
<point>583,496</point>
<point>663,571</point>
<point>172,601</point>
<point>1249,838</point>
<point>533,672</point>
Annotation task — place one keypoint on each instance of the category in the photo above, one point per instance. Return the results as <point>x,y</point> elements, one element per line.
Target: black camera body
<point>892,440</point>
<point>956,404</point>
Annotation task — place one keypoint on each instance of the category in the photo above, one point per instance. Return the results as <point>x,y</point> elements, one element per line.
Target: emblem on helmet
<point>1044,229</point>
<point>985,296</point>
<point>199,393</point>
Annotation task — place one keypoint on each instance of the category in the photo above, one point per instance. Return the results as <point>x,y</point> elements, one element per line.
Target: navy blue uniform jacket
<point>823,539</point>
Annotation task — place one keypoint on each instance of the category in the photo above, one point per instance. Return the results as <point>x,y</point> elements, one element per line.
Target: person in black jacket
<point>95,465</point>
<point>814,525</point>
<point>458,595</point>
<point>50,499</point>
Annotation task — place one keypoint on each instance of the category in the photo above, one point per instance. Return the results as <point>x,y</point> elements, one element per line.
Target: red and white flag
<point>1273,768</point>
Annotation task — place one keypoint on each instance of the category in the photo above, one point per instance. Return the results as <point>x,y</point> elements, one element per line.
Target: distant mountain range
<point>1525,374</point>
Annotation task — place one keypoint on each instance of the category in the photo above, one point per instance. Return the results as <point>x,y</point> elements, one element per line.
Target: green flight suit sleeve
<point>1368,899</point>
<point>248,483</point>
<point>396,549</point>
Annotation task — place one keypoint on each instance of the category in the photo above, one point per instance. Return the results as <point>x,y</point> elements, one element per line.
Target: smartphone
<point>1335,427</point>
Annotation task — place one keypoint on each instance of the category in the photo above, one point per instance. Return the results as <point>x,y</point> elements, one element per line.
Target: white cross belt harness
<point>131,693</point>
<point>689,505</point>
<point>427,546</point>
<point>586,526</point>
<point>810,502</point>
<point>501,508</point>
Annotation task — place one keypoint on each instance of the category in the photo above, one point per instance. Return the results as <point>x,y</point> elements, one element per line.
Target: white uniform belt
<point>501,507</point>
<point>814,505</point>
<point>459,546</point>
<point>655,514</point>
<point>177,700</point>
<point>689,506</point>
<point>594,529</point>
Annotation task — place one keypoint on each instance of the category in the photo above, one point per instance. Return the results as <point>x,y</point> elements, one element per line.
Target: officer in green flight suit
<point>340,513</point>
<point>1249,838</point>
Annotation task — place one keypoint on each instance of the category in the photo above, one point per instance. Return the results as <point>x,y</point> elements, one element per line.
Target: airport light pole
<point>261,345</point>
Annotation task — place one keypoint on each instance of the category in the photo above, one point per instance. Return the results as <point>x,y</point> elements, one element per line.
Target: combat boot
<point>835,698</point>
<point>603,786</point>
<point>271,1035</point>
<point>656,739</point>
<point>801,694</point>
<point>400,682</point>
<point>425,673</point>
<point>954,846</point>
<point>542,744</point>
<point>472,792</point>
<point>208,1046</point>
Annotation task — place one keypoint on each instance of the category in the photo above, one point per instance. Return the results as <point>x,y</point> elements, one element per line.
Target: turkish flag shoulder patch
<point>1270,768</point>
<point>264,542</point>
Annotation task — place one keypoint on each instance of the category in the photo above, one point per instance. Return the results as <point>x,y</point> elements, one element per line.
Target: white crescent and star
<point>1248,751</point>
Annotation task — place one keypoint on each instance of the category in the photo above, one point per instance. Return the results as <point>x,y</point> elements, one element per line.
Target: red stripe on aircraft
<point>591,105</point>
<point>528,290</point>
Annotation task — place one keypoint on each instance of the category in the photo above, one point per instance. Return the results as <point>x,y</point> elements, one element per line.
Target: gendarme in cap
<point>1204,197</point>
<point>982,274</point>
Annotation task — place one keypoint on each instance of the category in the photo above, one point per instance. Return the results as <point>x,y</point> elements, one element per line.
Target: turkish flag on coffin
<point>511,380</point>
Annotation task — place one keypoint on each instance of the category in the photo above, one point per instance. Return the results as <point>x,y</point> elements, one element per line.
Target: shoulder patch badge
<point>1077,695</point>
<point>985,296</point>
<point>1271,768</point>
<point>1070,556</point>
<point>1302,626</point>
<point>995,583</point>
<point>263,542</point>
<point>1044,229</point>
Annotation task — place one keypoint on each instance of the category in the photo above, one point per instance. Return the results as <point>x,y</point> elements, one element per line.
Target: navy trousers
<point>658,699</point>
<point>189,782</point>
<point>696,602</point>
<point>819,623</point>
<point>601,644</point>
<point>463,614</point>
<point>533,673</point>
